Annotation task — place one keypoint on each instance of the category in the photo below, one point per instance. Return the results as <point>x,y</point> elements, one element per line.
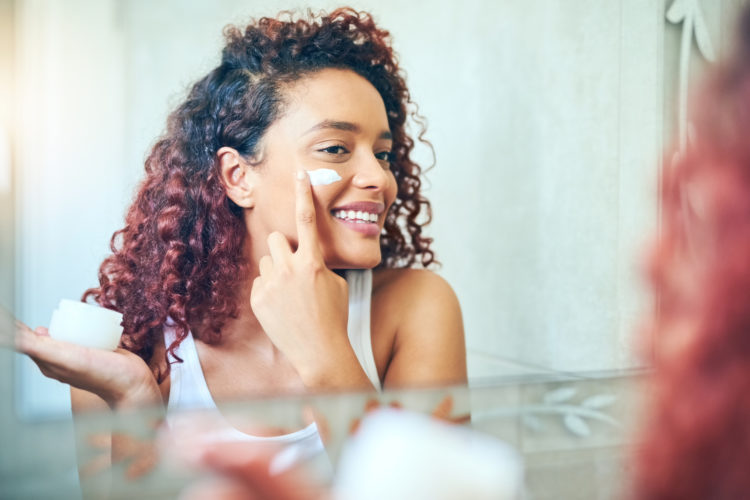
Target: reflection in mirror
<point>542,169</point>
<point>538,437</point>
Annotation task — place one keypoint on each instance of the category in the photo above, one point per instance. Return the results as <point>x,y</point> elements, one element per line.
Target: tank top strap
<point>187,388</point>
<point>358,327</point>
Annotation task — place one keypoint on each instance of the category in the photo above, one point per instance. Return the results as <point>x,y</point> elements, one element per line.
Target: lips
<point>357,216</point>
<point>360,216</point>
<point>362,206</point>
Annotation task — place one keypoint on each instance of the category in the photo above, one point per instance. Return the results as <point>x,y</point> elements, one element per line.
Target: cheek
<point>323,201</point>
<point>391,190</point>
<point>277,207</point>
<point>323,198</point>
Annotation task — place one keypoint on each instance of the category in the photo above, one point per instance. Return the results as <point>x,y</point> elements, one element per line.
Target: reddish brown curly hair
<point>696,441</point>
<point>179,254</point>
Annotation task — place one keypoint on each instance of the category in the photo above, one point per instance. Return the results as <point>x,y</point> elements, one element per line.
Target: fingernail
<point>300,175</point>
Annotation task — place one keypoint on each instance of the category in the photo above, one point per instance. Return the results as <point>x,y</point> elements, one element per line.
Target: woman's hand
<point>119,377</point>
<point>303,306</point>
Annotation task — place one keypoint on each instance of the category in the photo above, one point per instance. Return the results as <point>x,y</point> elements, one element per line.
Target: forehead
<point>336,95</point>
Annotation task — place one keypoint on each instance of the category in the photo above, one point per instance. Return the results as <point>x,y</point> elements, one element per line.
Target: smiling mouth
<point>356,216</point>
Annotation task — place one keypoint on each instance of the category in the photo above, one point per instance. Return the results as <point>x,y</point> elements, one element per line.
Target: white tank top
<point>189,390</point>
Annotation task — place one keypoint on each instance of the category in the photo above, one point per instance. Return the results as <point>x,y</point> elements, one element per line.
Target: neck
<point>245,330</point>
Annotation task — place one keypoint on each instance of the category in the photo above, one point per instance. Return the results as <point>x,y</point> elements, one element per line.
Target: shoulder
<point>415,283</point>
<point>424,313</point>
<point>412,294</point>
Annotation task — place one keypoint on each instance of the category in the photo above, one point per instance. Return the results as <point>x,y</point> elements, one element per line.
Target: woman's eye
<point>384,156</point>
<point>334,150</point>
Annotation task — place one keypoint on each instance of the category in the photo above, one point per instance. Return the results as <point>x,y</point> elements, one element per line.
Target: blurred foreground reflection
<point>539,436</point>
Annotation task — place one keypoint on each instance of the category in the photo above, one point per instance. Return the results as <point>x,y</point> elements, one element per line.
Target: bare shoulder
<point>424,313</point>
<point>419,284</point>
<point>413,295</point>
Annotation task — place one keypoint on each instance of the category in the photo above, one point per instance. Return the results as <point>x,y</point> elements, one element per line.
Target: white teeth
<point>356,216</point>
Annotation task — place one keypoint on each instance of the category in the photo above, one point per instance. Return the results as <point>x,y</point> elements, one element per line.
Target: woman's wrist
<point>336,369</point>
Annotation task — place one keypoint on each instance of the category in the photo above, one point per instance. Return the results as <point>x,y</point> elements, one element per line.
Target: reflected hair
<point>178,259</point>
<point>696,438</point>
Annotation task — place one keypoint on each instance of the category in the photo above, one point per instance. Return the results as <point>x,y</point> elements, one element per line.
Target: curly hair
<point>179,257</point>
<point>696,440</point>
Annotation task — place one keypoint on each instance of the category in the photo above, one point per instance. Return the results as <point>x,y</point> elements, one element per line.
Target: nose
<point>370,173</point>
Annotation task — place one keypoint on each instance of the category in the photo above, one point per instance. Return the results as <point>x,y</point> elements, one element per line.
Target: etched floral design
<point>559,401</point>
<point>689,14</point>
<point>576,416</point>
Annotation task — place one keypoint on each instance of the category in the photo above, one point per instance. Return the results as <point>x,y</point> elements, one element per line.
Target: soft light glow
<point>5,176</point>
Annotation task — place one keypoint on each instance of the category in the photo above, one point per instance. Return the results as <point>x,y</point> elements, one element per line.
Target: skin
<point>295,243</point>
<point>244,472</point>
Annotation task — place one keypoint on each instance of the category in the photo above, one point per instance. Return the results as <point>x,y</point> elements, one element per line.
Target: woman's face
<point>333,119</point>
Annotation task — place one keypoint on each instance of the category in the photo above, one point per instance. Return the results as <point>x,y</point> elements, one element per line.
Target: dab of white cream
<point>323,176</point>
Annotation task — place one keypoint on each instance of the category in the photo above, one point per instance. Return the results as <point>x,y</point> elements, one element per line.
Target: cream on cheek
<point>323,176</point>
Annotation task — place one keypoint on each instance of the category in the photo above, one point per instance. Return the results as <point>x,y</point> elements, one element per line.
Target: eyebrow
<point>345,126</point>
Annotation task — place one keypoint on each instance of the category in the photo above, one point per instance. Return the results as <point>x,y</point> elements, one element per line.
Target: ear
<point>236,177</point>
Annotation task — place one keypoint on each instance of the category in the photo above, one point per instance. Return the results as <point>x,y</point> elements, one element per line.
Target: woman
<point>696,444</point>
<point>230,269</point>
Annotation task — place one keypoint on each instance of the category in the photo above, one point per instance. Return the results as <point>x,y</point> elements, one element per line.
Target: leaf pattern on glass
<point>532,422</point>
<point>576,425</point>
<point>560,395</point>
<point>598,401</point>
<point>576,416</point>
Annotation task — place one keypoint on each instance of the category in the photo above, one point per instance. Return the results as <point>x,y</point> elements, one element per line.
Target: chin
<point>365,260</point>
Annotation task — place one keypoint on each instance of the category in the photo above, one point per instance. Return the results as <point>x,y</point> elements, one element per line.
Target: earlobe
<point>236,177</point>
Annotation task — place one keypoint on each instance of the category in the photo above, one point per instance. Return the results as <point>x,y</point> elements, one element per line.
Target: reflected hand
<point>238,469</point>
<point>245,470</point>
<point>443,411</point>
<point>141,455</point>
<point>119,377</point>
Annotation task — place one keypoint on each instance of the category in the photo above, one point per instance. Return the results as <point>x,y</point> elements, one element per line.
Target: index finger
<point>307,230</point>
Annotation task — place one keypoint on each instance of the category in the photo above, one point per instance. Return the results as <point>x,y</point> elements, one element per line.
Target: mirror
<point>547,125</point>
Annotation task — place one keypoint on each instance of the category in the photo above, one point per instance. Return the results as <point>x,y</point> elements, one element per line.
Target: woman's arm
<point>100,381</point>
<point>428,346</point>
<point>120,378</point>
<point>93,453</point>
<point>99,446</point>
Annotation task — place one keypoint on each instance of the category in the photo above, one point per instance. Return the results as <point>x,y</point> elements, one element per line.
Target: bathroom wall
<point>547,120</point>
